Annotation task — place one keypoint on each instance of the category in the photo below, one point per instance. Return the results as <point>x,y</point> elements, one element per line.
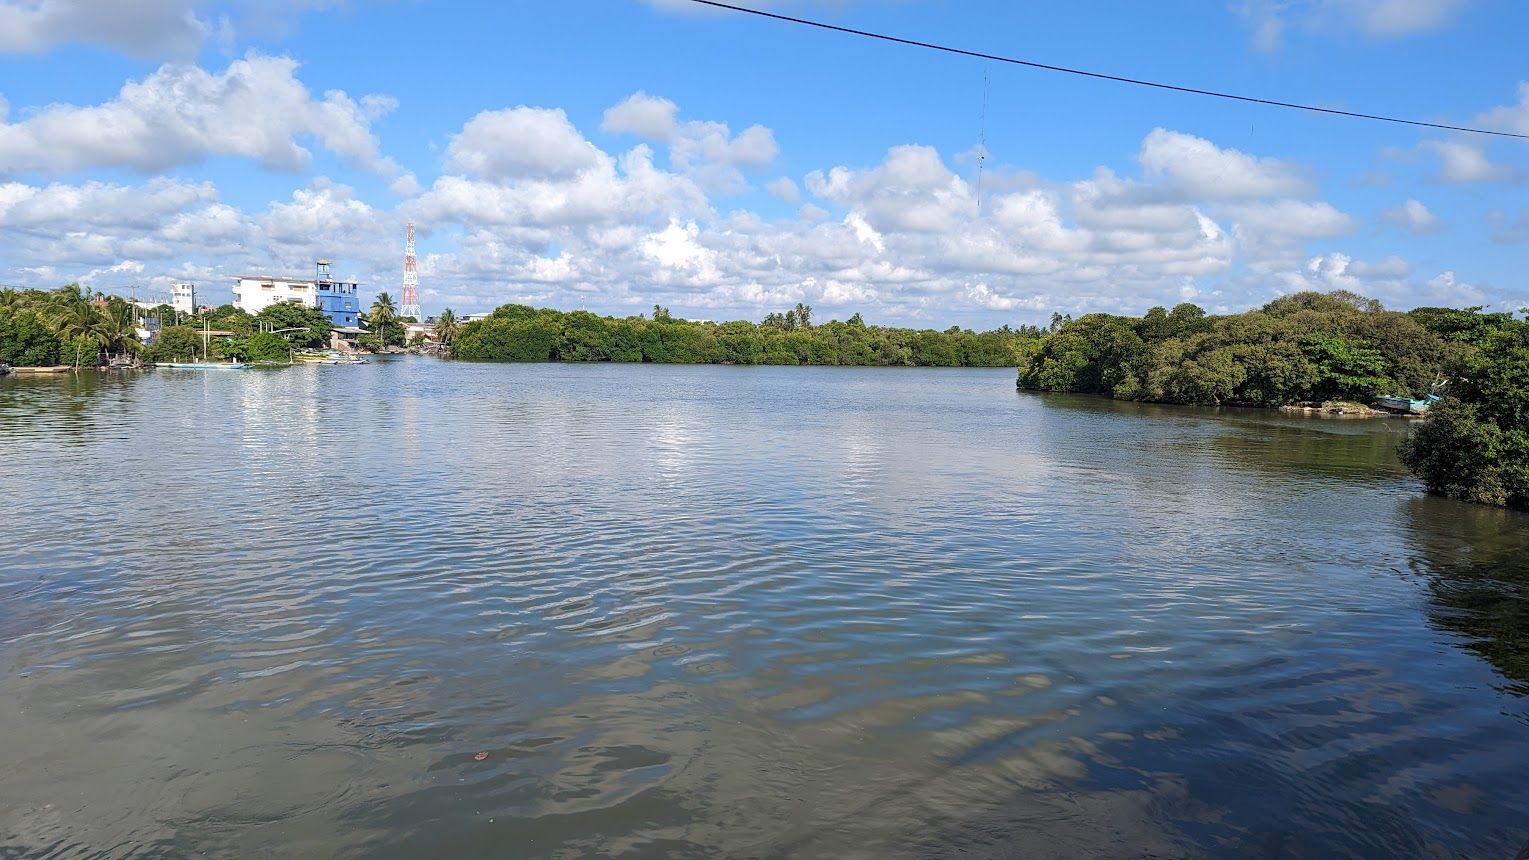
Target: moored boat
<point>204,365</point>
<point>1407,404</point>
<point>333,356</point>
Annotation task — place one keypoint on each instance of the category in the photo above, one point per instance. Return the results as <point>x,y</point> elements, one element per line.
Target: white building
<point>337,299</point>
<point>183,298</point>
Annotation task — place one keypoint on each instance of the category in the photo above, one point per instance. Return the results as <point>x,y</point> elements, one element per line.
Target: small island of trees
<point>1321,347</point>
<point>521,333</point>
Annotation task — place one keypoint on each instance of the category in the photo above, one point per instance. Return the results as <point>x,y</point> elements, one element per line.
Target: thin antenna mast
<point>982,143</point>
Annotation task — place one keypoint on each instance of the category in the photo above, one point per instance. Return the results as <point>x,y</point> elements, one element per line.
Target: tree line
<point>72,326</point>
<point>521,333</point>
<point>69,325</point>
<point>1298,348</point>
<point>1304,347</point>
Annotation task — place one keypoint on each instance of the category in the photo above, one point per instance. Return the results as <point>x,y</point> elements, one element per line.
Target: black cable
<point>1100,75</point>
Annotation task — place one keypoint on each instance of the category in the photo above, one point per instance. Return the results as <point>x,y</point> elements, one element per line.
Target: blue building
<point>336,298</point>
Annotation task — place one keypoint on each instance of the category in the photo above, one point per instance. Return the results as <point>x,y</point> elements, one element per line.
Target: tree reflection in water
<point>1476,563</point>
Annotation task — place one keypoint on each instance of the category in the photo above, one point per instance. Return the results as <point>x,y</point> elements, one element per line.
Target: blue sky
<point>612,155</point>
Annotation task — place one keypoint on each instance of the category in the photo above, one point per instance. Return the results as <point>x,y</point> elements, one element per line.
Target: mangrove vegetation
<point>1475,444</point>
<point>1322,347</point>
<point>1298,348</point>
<point>520,333</point>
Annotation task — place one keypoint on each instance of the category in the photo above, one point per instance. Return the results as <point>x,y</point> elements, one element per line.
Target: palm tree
<point>117,329</point>
<point>382,316</point>
<point>446,327</point>
<point>79,321</point>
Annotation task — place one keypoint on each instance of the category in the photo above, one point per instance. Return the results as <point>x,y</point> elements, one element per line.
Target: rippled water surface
<point>423,609</point>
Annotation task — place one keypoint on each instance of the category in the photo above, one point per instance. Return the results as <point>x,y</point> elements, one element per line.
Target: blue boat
<point>203,365</point>
<point>1407,404</point>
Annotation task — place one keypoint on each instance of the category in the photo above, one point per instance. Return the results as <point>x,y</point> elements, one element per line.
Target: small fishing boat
<point>331,357</point>
<point>1407,404</point>
<point>203,365</point>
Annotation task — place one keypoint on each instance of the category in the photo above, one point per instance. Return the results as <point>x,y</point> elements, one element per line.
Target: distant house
<point>337,299</point>
<point>344,337</point>
<point>426,328</point>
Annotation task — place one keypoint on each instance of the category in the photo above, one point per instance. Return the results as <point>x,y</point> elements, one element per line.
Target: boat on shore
<point>333,356</point>
<point>203,365</point>
<point>53,368</point>
<point>1407,404</point>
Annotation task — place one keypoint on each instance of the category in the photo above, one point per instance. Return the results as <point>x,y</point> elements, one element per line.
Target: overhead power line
<point>1101,75</point>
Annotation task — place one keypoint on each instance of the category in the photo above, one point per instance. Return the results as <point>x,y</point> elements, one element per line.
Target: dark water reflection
<point>743,612</point>
<point>1476,566</point>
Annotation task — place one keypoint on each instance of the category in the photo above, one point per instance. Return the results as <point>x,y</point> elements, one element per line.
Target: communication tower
<point>409,307</point>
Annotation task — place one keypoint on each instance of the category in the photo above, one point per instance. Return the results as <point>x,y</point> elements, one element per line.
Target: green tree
<point>117,328</point>
<point>383,321</point>
<point>1345,368</point>
<point>266,346</point>
<point>26,339</point>
<point>176,343</point>
<point>446,327</point>
<point>1475,443</point>
<point>312,325</point>
<point>82,350</point>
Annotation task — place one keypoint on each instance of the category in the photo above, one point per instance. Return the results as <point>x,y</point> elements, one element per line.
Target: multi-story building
<point>183,298</point>
<point>337,299</point>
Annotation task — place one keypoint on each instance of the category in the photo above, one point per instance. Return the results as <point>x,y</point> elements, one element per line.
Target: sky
<point>611,155</point>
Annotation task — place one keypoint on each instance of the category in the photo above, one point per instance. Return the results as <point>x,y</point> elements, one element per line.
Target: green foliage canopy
<point>1302,347</point>
<point>1475,443</point>
<point>176,343</point>
<point>521,333</point>
<point>313,324</point>
<point>26,339</point>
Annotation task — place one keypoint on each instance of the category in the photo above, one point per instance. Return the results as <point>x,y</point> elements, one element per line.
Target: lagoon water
<point>426,609</point>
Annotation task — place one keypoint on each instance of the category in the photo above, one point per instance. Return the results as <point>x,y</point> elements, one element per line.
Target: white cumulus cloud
<point>1466,161</point>
<point>521,142</point>
<point>1198,168</point>
<point>1413,217</point>
<point>1272,20</point>
<point>144,28</point>
<point>181,114</point>
<point>707,151</point>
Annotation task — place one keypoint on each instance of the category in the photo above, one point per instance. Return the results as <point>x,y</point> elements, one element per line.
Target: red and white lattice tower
<point>409,307</point>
